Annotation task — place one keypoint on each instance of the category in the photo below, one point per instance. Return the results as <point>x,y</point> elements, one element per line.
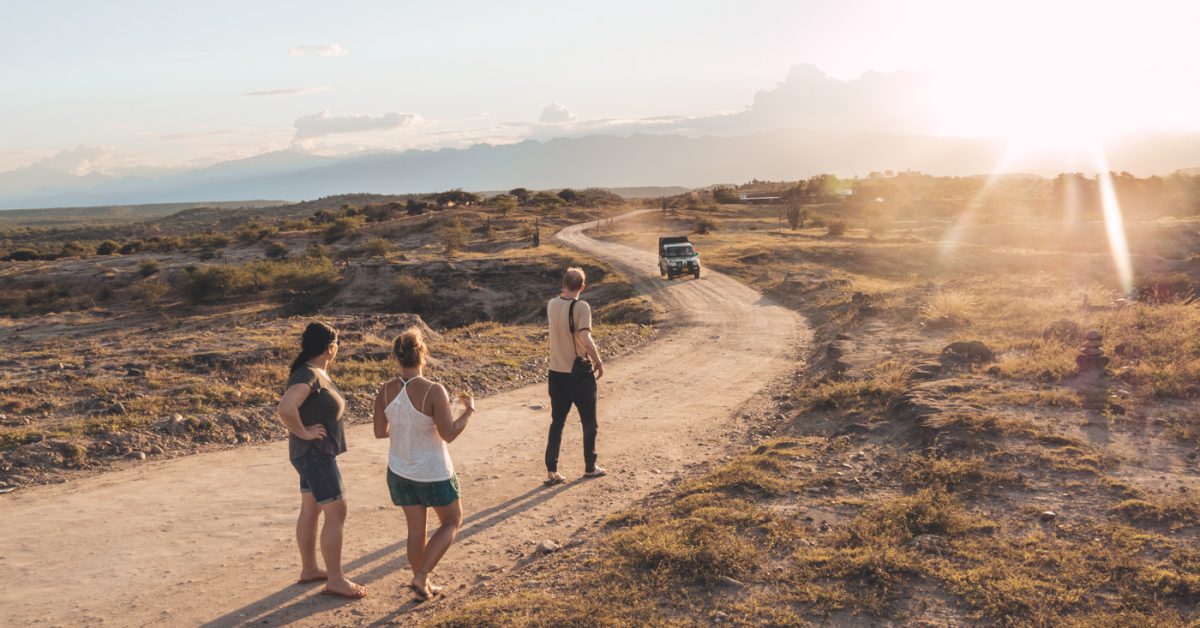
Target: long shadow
<point>283,606</point>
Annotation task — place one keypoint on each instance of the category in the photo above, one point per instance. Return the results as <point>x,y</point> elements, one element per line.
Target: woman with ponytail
<point>312,409</point>
<point>414,413</point>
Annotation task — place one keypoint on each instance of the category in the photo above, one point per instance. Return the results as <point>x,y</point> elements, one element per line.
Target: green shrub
<point>129,248</point>
<point>107,247</point>
<point>301,284</point>
<point>148,267</point>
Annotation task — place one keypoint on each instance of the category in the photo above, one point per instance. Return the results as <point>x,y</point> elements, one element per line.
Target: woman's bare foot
<point>345,588</point>
<point>316,575</point>
<point>423,587</point>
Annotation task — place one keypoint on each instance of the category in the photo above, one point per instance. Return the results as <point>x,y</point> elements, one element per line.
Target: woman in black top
<point>312,409</point>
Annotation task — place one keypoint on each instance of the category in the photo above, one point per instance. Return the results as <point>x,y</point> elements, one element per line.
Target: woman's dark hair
<point>315,341</point>
<point>409,347</point>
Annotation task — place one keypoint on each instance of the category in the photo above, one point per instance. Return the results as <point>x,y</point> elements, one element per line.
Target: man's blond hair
<point>573,279</point>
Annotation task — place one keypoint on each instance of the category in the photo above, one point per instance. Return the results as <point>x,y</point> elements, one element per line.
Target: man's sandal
<point>595,473</point>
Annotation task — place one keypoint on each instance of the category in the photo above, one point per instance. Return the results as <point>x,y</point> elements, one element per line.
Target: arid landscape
<point>893,313</point>
<point>923,447</point>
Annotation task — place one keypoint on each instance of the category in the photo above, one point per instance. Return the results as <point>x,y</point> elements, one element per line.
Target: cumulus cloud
<point>325,123</point>
<point>327,50</point>
<point>290,91</point>
<point>81,160</point>
<point>807,98</point>
<point>555,113</point>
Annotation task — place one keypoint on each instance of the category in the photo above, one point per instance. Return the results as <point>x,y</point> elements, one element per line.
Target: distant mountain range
<point>593,161</point>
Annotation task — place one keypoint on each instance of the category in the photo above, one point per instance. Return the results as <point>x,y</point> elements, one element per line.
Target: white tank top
<point>417,452</point>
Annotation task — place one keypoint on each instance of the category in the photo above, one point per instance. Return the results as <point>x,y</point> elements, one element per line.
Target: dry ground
<point>107,361</point>
<point>907,484</point>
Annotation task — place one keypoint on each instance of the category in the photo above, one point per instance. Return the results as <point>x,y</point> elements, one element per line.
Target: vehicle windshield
<point>680,251</point>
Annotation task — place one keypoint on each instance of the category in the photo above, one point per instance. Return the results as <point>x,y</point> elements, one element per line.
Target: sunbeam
<point>1114,224</point>
<point>966,219</point>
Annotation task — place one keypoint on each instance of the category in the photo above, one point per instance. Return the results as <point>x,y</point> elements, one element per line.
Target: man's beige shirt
<point>562,354</point>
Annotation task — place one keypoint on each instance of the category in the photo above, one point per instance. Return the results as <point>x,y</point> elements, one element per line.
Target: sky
<point>118,86</point>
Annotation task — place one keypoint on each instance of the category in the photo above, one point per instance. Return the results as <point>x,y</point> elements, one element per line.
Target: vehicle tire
<point>696,273</point>
<point>670,275</point>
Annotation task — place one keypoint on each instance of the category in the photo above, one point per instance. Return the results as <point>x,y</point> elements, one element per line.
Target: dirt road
<point>207,539</point>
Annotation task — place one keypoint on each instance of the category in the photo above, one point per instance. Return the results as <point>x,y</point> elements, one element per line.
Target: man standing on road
<point>574,368</point>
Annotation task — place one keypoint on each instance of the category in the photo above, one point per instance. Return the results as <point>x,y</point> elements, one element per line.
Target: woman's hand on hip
<point>313,432</point>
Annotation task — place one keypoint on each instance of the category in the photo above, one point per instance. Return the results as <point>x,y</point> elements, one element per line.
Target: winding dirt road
<point>207,539</point>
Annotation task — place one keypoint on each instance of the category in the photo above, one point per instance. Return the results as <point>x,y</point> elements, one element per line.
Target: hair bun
<point>409,347</point>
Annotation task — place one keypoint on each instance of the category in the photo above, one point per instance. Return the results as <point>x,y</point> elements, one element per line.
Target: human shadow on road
<point>292,601</point>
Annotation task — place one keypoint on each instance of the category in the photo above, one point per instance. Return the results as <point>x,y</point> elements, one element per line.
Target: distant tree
<point>795,215</point>
<point>568,195</point>
<point>456,197</point>
<point>521,194</point>
<point>414,207</point>
<point>546,200</point>
<point>725,195</point>
<point>453,234</point>
<point>107,247</point>
<point>505,203</point>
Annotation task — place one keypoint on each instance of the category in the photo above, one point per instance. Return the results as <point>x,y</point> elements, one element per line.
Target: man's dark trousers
<point>567,389</point>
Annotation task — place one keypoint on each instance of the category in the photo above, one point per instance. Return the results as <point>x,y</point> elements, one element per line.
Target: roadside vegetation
<point>944,461</point>
<point>169,334</point>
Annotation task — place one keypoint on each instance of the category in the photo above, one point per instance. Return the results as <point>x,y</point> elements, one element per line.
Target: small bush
<point>453,234</point>
<point>412,294</point>
<point>836,228</point>
<point>704,225</point>
<point>341,227</point>
<point>129,248</point>
<point>107,247</point>
<point>23,255</point>
<point>302,284</point>
<point>276,250</point>
<point>148,267</point>
<point>374,247</point>
<point>148,292</point>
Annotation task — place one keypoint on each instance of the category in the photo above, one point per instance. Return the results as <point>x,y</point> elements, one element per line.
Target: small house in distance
<point>760,198</point>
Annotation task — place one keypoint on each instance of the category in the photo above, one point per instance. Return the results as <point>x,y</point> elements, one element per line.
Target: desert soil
<point>208,539</point>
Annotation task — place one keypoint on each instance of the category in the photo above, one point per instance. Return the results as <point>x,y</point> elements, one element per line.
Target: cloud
<point>808,98</point>
<point>325,123</point>
<point>291,91</point>
<point>81,160</point>
<point>555,113</point>
<point>327,50</point>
